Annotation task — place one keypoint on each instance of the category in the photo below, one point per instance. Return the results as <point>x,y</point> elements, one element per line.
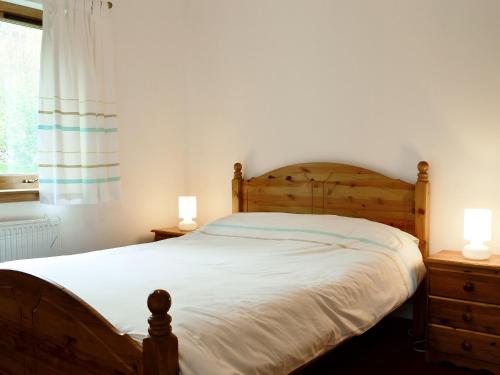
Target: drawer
<point>466,315</point>
<point>463,284</point>
<point>465,344</point>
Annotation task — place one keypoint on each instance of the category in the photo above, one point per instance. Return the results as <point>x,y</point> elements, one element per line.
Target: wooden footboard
<point>45,329</point>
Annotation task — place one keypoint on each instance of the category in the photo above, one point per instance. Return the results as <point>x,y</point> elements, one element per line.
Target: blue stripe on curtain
<point>77,124</point>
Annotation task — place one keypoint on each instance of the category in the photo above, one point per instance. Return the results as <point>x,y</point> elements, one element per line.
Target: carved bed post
<point>422,208</point>
<point>160,353</point>
<point>422,201</point>
<point>237,188</point>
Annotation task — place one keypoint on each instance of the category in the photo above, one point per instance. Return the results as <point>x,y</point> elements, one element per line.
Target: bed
<point>52,321</point>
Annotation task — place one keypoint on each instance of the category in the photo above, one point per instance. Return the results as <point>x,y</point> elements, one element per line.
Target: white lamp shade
<point>477,224</point>
<point>187,207</point>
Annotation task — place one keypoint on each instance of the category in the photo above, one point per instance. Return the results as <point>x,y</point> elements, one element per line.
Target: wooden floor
<point>385,349</point>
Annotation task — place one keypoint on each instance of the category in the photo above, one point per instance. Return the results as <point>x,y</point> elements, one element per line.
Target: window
<point>20,43</point>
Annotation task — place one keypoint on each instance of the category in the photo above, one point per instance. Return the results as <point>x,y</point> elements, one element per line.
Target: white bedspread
<point>252,293</point>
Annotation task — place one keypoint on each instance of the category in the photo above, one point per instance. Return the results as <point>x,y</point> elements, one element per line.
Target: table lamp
<point>187,212</point>
<point>477,229</point>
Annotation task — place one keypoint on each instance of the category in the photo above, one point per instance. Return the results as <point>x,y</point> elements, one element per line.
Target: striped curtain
<point>77,131</point>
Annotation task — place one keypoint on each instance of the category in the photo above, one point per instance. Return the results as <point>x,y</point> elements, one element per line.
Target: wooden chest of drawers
<point>463,311</point>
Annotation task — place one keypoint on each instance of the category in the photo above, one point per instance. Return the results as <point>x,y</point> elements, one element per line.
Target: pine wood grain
<point>169,232</point>
<point>422,208</point>
<point>160,348</point>
<point>455,258</point>
<point>23,15</point>
<point>461,283</point>
<point>463,363</point>
<point>13,189</point>
<point>48,330</point>
<point>10,196</point>
<point>474,316</point>
<point>338,189</point>
<point>467,345</point>
<point>464,310</point>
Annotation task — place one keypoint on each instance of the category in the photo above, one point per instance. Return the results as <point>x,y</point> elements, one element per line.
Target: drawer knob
<point>467,317</point>
<point>468,287</point>
<point>466,346</point>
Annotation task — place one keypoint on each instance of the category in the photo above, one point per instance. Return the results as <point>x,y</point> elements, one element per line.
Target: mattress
<point>254,293</point>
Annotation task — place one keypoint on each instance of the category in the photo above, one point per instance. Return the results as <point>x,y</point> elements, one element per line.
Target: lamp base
<point>187,226</point>
<point>476,252</point>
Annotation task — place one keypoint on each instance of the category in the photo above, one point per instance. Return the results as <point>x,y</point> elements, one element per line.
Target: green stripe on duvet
<point>77,129</point>
<point>310,231</point>
<point>78,180</point>
<point>323,233</point>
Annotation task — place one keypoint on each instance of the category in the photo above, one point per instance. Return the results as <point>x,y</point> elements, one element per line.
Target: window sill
<point>19,195</point>
<point>13,188</point>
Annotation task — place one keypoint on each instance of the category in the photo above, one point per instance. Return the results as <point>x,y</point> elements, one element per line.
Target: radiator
<point>24,239</point>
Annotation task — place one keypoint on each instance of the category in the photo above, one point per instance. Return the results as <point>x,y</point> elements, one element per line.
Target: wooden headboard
<point>339,189</point>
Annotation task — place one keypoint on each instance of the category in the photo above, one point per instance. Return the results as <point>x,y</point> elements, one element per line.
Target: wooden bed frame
<point>46,329</point>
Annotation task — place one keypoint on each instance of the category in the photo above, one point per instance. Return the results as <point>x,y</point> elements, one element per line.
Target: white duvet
<point>256,293</point>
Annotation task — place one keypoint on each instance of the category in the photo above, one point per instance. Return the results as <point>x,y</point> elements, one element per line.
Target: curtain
<point>77,131</point>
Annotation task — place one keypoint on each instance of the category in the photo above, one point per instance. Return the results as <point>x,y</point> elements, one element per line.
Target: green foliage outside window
<point>19,78</point>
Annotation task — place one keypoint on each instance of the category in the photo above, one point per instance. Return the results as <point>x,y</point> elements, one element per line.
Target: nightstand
<point>463,311</point>
<point>164,233</point>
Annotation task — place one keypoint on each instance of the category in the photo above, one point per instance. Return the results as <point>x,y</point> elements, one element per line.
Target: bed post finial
<point>159,303</point>
<point>160,349</point>
<point>422,200</point>
<point>237,187</point>
<point>237,171</point>
<point>423,167</point>
<point>422,203</point>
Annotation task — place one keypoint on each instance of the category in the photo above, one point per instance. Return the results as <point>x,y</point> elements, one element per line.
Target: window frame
<point>19,187</point>
<point>21,15</point>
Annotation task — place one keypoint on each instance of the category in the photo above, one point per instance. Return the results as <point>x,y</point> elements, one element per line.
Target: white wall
<point>149,55</point>
<point>381,84</point>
